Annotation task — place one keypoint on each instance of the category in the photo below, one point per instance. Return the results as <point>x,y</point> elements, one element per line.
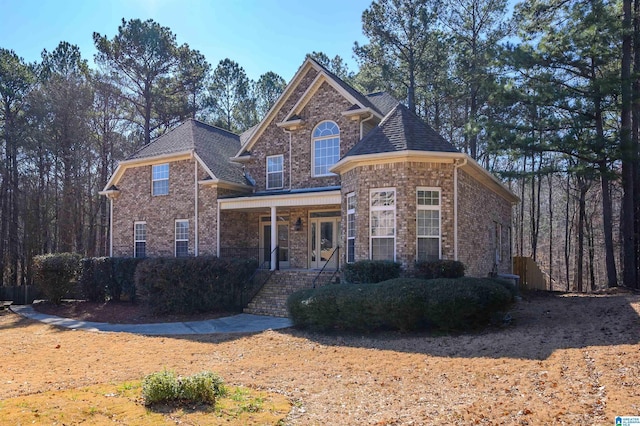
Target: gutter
<point>195,190</point>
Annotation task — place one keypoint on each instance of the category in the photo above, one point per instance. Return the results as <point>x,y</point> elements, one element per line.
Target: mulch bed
<point>118,312</point>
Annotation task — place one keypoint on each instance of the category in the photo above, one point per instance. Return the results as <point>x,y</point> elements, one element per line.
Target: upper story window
<point>326,148</point>
<point>160,179</point>
<point>275,172</point>
<point>351,227</point>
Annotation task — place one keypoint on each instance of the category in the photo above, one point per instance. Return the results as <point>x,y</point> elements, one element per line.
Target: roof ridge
<point>210,125</point>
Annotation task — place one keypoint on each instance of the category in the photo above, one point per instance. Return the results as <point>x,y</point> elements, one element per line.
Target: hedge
<point>404,304</point>
<point>55,274</point>
<point>429,270</point>
<point>195,284</point>
<point>370,271</point>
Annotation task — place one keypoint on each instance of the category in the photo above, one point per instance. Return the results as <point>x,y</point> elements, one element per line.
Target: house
<point>328,176</point>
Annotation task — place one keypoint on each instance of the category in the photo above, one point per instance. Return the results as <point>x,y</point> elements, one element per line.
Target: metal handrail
<point>260,268</point>
<point>337,250</point>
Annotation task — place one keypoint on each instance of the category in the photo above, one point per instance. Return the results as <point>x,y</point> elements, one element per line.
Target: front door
<point>324,230</point>
<point>283,241</point>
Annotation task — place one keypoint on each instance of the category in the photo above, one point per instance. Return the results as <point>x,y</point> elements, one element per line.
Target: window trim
<point>430,208</point>
<point>154,180</point>
<point>315,139</point>
<point>383,208</point>
<point>281,172</point>
<point>176,239</point>
<point>349,226</point>
<point>136,241</point>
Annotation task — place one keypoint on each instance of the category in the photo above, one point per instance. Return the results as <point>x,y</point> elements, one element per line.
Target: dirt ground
<point>565,359</point>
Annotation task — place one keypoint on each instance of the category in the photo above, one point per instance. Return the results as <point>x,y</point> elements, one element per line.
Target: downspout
<point>110,227</point>
<point>456,165</point>
<point>218,229</point>
<point>362,125</point>
<point>195,225</point>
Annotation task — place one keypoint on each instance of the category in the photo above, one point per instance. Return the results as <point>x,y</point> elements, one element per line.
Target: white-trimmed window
<point>351,227</point>
<point>182,238</point>
<point>275,172</point>
<point>325,148</point>
<point>428,223</point>
<point>139,239</point>
<point>383,224</point>
<point>160,179</point>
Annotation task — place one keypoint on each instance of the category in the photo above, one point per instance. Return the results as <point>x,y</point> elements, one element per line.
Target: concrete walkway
<point>242,323</point>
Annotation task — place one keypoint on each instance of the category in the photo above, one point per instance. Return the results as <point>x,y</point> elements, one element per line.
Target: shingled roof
<point>213,145</point>
<point>401,130</point>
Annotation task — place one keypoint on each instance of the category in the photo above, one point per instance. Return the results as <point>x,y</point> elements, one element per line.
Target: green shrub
<point>370,271</point>
<point>431,269</point>
<point>55,274</point>
<point>166,387</point>
<point>123,282</point>
<point>160,387</point>
<point>96,275</point>
<point>195,284</point>
<point>403,304</point>
<point>202,388</point>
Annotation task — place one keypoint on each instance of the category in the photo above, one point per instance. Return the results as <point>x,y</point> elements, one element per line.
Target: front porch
<point>298,230</point>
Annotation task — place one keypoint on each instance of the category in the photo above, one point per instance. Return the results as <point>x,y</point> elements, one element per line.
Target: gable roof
<point>401,130</point>
<point>378,103</point>
<point>211,145</point>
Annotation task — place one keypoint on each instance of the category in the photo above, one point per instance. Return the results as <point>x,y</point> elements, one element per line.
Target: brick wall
<point>479,208</point>
<point>405,177</point>
<point>326,104</point>
<point>135,203</point>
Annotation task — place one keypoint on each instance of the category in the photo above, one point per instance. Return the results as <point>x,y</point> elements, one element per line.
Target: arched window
<point>326,147</point>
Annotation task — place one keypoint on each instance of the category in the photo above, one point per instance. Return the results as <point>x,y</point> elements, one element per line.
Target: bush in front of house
<point>96,274</point>
<point>431,269</point>
<point>370,271</point>
<point>166,387</point>
<point>405,304</point>
<point>55,274</point>
<point>123,281</point>
<point>194,284</point>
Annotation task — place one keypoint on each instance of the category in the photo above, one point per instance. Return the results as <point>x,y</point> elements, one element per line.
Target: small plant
<point>160,387</point>
<point>166,387</point>
<point>370,271</point>
<point>430,270</point>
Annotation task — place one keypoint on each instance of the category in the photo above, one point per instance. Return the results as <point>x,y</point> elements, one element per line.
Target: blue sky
<point>260,35</point>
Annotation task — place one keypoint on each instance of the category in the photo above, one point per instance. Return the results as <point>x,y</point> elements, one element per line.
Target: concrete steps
<point>272,298</point>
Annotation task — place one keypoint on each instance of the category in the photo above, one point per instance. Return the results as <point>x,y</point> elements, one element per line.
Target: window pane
<point>141,249</point>
<point>428,249</point>
<point>382,248</point>
<point>326,147</point>
<point>161,187</point>
<point>382,223</point>
<point>428,198</point>
<point>428,223</point>
<point>382,198</point>
<point>182,248</point>
<point>161,171</point>
<point>351,250</point>
<point>351,225</point>
<point>140,231</point>
<point>327,128</point>
<point>182,230</point>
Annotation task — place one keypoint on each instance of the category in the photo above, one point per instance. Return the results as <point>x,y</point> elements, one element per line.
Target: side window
<point>275,172</point>
<point>428,223</point>
<point>182,238</point>
<point>383,224</point>
<point>140,239</point>
<point>325,148</point>
<point>160,179</point>
<point>351,227</point>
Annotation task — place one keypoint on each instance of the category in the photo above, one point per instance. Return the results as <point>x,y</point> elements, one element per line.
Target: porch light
<point>298,225</point>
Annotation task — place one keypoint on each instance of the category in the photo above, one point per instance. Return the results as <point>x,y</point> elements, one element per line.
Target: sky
<point>260,35</point>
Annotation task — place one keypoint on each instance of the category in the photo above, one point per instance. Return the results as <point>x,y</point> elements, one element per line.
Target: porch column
<point>274,237</point>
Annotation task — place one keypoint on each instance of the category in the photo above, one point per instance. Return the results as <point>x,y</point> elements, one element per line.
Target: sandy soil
<point>564,360</point>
